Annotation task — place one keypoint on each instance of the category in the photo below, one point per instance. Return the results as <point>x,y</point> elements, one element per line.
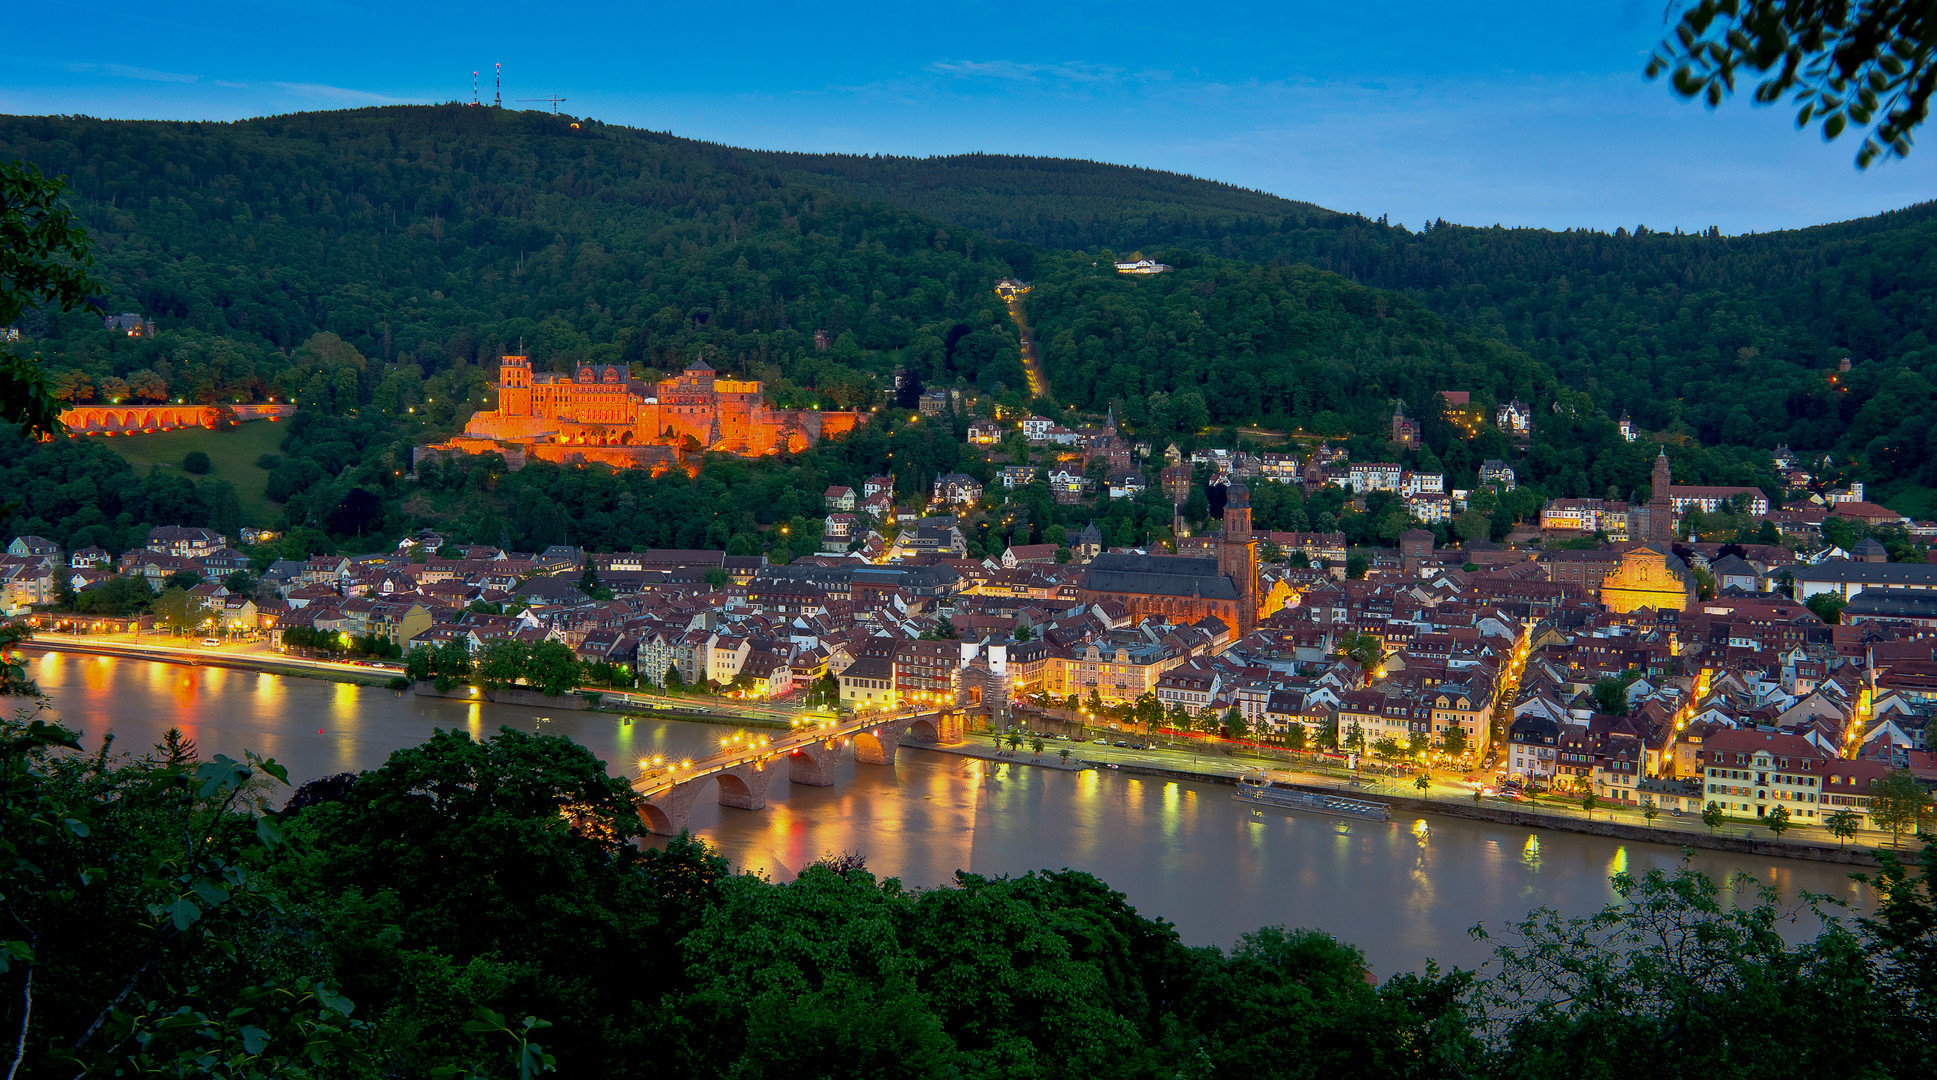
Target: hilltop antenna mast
<point>474,89</point>
<point>497,88</point>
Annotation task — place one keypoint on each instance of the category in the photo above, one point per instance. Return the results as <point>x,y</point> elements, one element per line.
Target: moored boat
<point>1290,798</point>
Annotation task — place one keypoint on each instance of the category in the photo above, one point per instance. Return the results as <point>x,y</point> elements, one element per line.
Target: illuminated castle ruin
<point>602,415</point>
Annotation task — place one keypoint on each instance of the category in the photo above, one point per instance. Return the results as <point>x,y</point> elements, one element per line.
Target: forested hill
<point>433,236</point>
<point>430,238</point>
<point>1060,202</point>
<point>1729,338</point>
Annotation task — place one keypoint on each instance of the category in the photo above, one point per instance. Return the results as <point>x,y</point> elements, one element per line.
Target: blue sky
<point>1504,111</point>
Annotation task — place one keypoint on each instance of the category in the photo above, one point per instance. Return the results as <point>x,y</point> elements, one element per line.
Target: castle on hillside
<point>603,415</point>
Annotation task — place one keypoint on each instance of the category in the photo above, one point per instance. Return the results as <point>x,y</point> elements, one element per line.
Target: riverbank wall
<point>530,699</point>
<point>377,680</point>
<point>610,702</point>
<point>1529,819</point>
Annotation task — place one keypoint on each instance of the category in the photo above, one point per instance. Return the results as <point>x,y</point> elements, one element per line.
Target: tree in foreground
<point>1679,977</point>
<point>490,908</point>
<point>1866,65</point>
<point>1778,821</point>
<point>1712,817</point>
<point>44,265</point>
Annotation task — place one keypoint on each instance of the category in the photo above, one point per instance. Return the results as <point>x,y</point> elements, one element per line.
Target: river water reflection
<point>1403,892</point>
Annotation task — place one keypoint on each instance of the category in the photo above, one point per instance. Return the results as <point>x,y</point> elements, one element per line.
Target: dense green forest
<point>1732,337</point>
<point>436,238</point>
<point>373,264</point>
<point>480,909</point>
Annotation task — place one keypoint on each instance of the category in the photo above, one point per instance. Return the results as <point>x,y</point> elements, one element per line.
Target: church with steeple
<point>1188,588</point>
<point>1661,508</point>
<point>1650,575</point>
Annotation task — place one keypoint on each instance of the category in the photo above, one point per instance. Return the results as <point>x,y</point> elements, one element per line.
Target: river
<point>1403,892</point>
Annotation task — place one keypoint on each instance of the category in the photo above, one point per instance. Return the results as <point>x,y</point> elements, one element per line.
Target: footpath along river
<point>1404,891</point>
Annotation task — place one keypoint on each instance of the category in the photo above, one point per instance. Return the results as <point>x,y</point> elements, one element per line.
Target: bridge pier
<point>814,763</point>
<point>877,743</point>
<point>670,811</point>
<point>940,727</point>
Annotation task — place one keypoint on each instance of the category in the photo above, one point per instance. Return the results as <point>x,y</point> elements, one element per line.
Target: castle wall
<point>602,409</point>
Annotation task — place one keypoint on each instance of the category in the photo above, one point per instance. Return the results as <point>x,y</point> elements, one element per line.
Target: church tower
<point>514,386</point>
<point>1237,555</point>
<point>1661,510</point>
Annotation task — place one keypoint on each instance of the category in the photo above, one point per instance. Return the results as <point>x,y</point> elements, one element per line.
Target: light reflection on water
<point>1185,852</point>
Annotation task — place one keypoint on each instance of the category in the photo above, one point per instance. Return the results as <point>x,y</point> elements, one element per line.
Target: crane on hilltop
<point>553,99</point>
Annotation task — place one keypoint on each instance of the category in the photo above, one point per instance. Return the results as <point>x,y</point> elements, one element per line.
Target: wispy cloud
<point>343,94</point>
<point>1020,71</point>
<point>123,71</point>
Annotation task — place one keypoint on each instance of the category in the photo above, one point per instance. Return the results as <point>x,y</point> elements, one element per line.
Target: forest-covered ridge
<point>374,262</point>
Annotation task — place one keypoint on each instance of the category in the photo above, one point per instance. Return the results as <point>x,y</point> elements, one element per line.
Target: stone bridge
<point>742,775</point>
<point>136,419</point>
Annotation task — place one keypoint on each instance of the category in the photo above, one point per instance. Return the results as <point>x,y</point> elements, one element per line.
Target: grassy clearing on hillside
<point>232,457</point>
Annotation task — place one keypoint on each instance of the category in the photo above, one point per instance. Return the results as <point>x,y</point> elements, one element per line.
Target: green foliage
<point>1827,606</point>
<point>1364,648</point>
<point>1674,971</point>
<point>1842,824</point>
<point>1712,816</point>
<point>589,584</point>
<point>395,923</point>
<point>197,462</point>
<point>80,493</point>
<point>337,643</point>
<point>45,264</point>
<point>117,596</point>
<point>1611,694</point>
<point>1865,66</point>
<point>139,924</point>
<point>1896,803</point>
<point>177,610</point>
<point>545,666</point>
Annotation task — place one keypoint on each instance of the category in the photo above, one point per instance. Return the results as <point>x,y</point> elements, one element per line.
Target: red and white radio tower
<point>497,89</point>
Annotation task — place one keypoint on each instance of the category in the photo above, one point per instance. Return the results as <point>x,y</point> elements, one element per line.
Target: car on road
<point>210,643</point>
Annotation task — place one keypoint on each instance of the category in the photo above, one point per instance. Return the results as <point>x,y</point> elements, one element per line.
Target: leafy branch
<point>1843,63</point>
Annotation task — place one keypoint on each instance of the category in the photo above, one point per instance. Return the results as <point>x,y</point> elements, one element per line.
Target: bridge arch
<point>657,821</point>
<point>923,730</point>
<point>870,747</point>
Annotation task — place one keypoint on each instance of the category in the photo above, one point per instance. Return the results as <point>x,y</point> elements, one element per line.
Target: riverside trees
<point>545,666</point>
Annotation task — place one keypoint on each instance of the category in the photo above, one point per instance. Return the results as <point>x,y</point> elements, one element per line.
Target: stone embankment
<point>1853,855</point>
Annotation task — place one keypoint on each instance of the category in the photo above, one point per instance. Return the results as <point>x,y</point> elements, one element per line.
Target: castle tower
<point>1661,510</point>
<point>1237,555</point>
<point>514,386</point>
